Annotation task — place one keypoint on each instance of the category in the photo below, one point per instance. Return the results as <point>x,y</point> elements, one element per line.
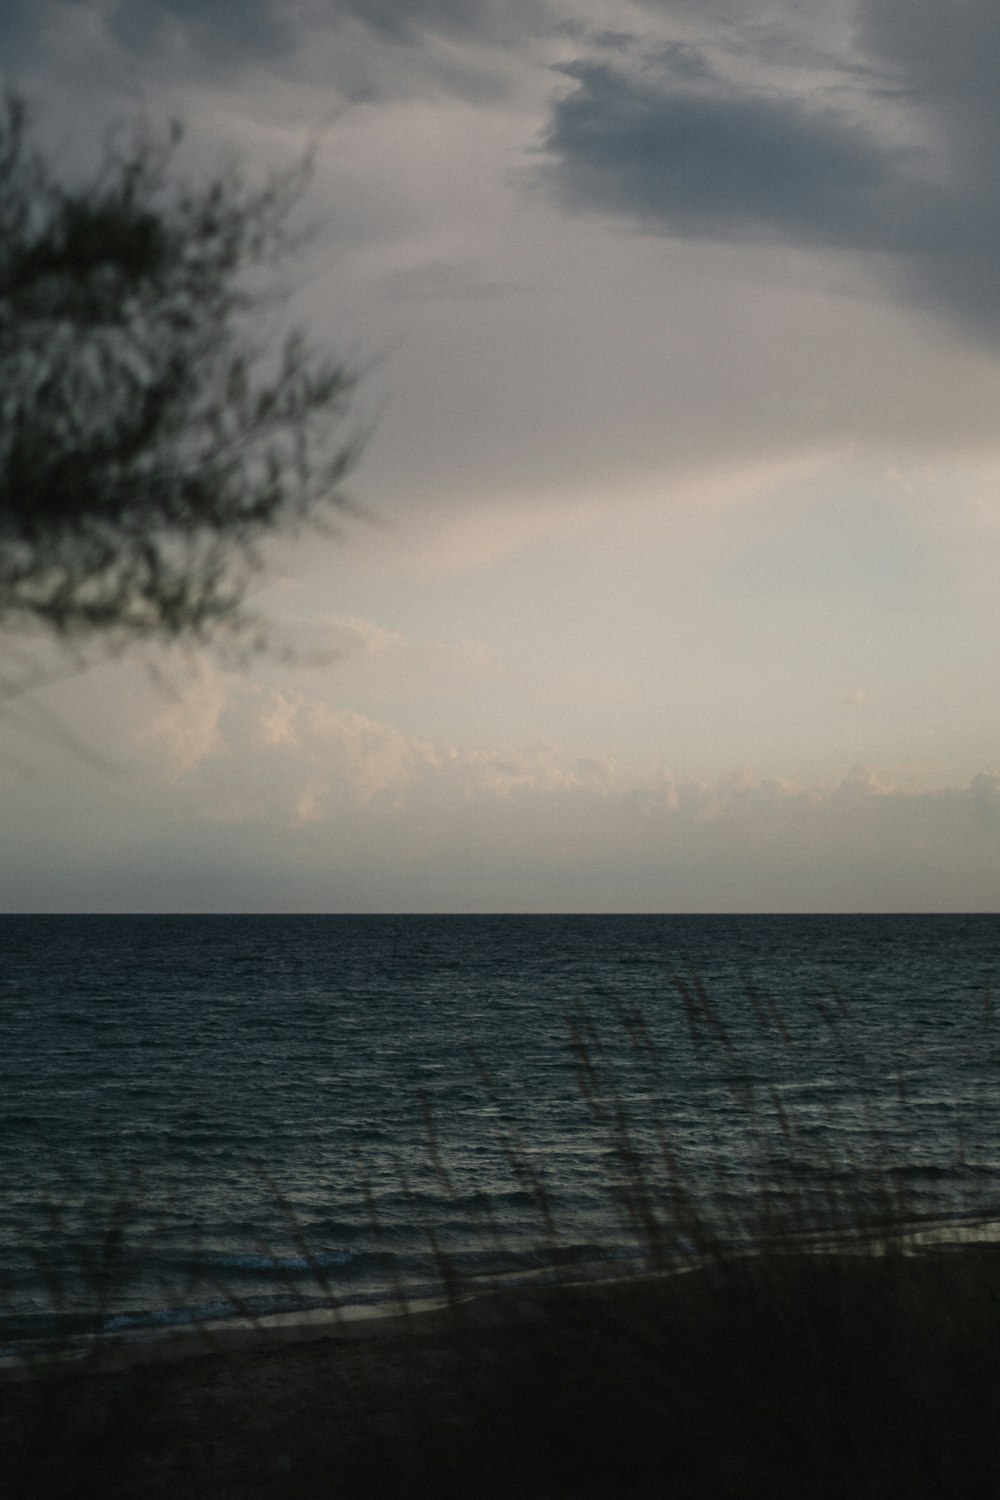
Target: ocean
<point>216,1117</point>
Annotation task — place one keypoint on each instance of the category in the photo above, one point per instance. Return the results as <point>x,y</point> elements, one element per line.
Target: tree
<point>148,442</point>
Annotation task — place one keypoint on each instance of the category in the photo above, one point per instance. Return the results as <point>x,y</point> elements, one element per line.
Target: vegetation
<point>148,440</point>
<point>832,1358</point>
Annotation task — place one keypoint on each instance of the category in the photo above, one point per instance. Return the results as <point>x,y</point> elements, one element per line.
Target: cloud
<point>375,660</point>
<point>352,636</point>
<point>985,792</point>
<point>444,280</point>
<point>209,30</point>
<point>230,732</point>
<point>731,164</point>
<point>264,797</point>
<point>421,826</point>
<point>256,757</point>
<point>21,24</point>
<point>947,55</point>
<point>501,21</point>
<point>363,48</point>
<point>901,164</point>
<point>187,731</point>
<point>282,749</point>
<point>258,28</point>
<point>947,59</point>
<point>270,28</point>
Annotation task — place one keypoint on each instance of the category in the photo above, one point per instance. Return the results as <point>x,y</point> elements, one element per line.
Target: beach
<point>814,1374</point>
<point>297,1407</point>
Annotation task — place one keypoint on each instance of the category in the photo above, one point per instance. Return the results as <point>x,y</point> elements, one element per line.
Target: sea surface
<point>221,1116</point>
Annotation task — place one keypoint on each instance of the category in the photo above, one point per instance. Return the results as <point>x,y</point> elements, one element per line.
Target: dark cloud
<point>686,61</point>
<point>208,36</point>
<point>786,32</point>
<point>947,58</point>
<point>212,29</point>
<point>409,20</point>
<point>728,165</point>
<point>23,24</point>
<point>948,54</point>
<point>664,141</point>
<point>20,19</point>
<point>224,30</point>
<point>613,41</point>
<point>217,34</point>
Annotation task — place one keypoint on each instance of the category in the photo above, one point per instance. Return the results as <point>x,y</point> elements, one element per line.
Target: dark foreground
<point>793,1375</point>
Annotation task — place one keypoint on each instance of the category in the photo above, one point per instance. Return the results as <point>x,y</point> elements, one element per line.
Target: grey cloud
<point>686,61</point>
<point>788,32</point>
<point>362,49</point>
<point>985,793</point>
<point>220,32</point>
<point>728,165</point>
<point>446,281</point>
<point>948,54</point>
<point>407,20</point>
<point>23,28</point>
<point>716,10</point>
<point>613,41</point>
<point>20,20</point>
<point>215,30</point>
<point>667,143</point>
<point>948,57</point>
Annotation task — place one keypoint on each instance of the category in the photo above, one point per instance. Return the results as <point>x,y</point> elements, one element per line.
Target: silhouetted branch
<point>147,445</point>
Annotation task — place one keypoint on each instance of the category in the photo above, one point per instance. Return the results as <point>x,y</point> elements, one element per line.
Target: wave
<point>323,1260</point>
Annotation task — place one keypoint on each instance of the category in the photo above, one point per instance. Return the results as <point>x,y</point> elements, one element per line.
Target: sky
<point>679,341</point>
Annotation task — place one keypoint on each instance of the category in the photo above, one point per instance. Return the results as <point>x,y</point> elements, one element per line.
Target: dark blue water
<point>202,1113</point>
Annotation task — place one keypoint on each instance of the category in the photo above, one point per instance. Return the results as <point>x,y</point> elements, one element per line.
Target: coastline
<point>578,1389</point>
<point>483,1300</point>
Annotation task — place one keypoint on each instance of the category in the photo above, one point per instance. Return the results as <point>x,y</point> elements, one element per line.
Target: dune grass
<point>789,1339</point>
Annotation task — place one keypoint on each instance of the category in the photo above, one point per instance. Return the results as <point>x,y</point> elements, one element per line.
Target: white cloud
<point>371,657</point>
<point>283,762</point>
<point>270,799</point>
<point>187,731</point>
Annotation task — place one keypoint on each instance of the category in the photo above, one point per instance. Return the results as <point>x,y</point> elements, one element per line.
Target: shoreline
<point>549,1391</point>
<point>485,1304</point>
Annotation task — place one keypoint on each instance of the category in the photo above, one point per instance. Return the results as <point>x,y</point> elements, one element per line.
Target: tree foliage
<point>148,442</point>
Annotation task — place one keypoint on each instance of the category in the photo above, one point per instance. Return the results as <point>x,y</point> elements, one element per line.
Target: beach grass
<point>786,1341</point>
